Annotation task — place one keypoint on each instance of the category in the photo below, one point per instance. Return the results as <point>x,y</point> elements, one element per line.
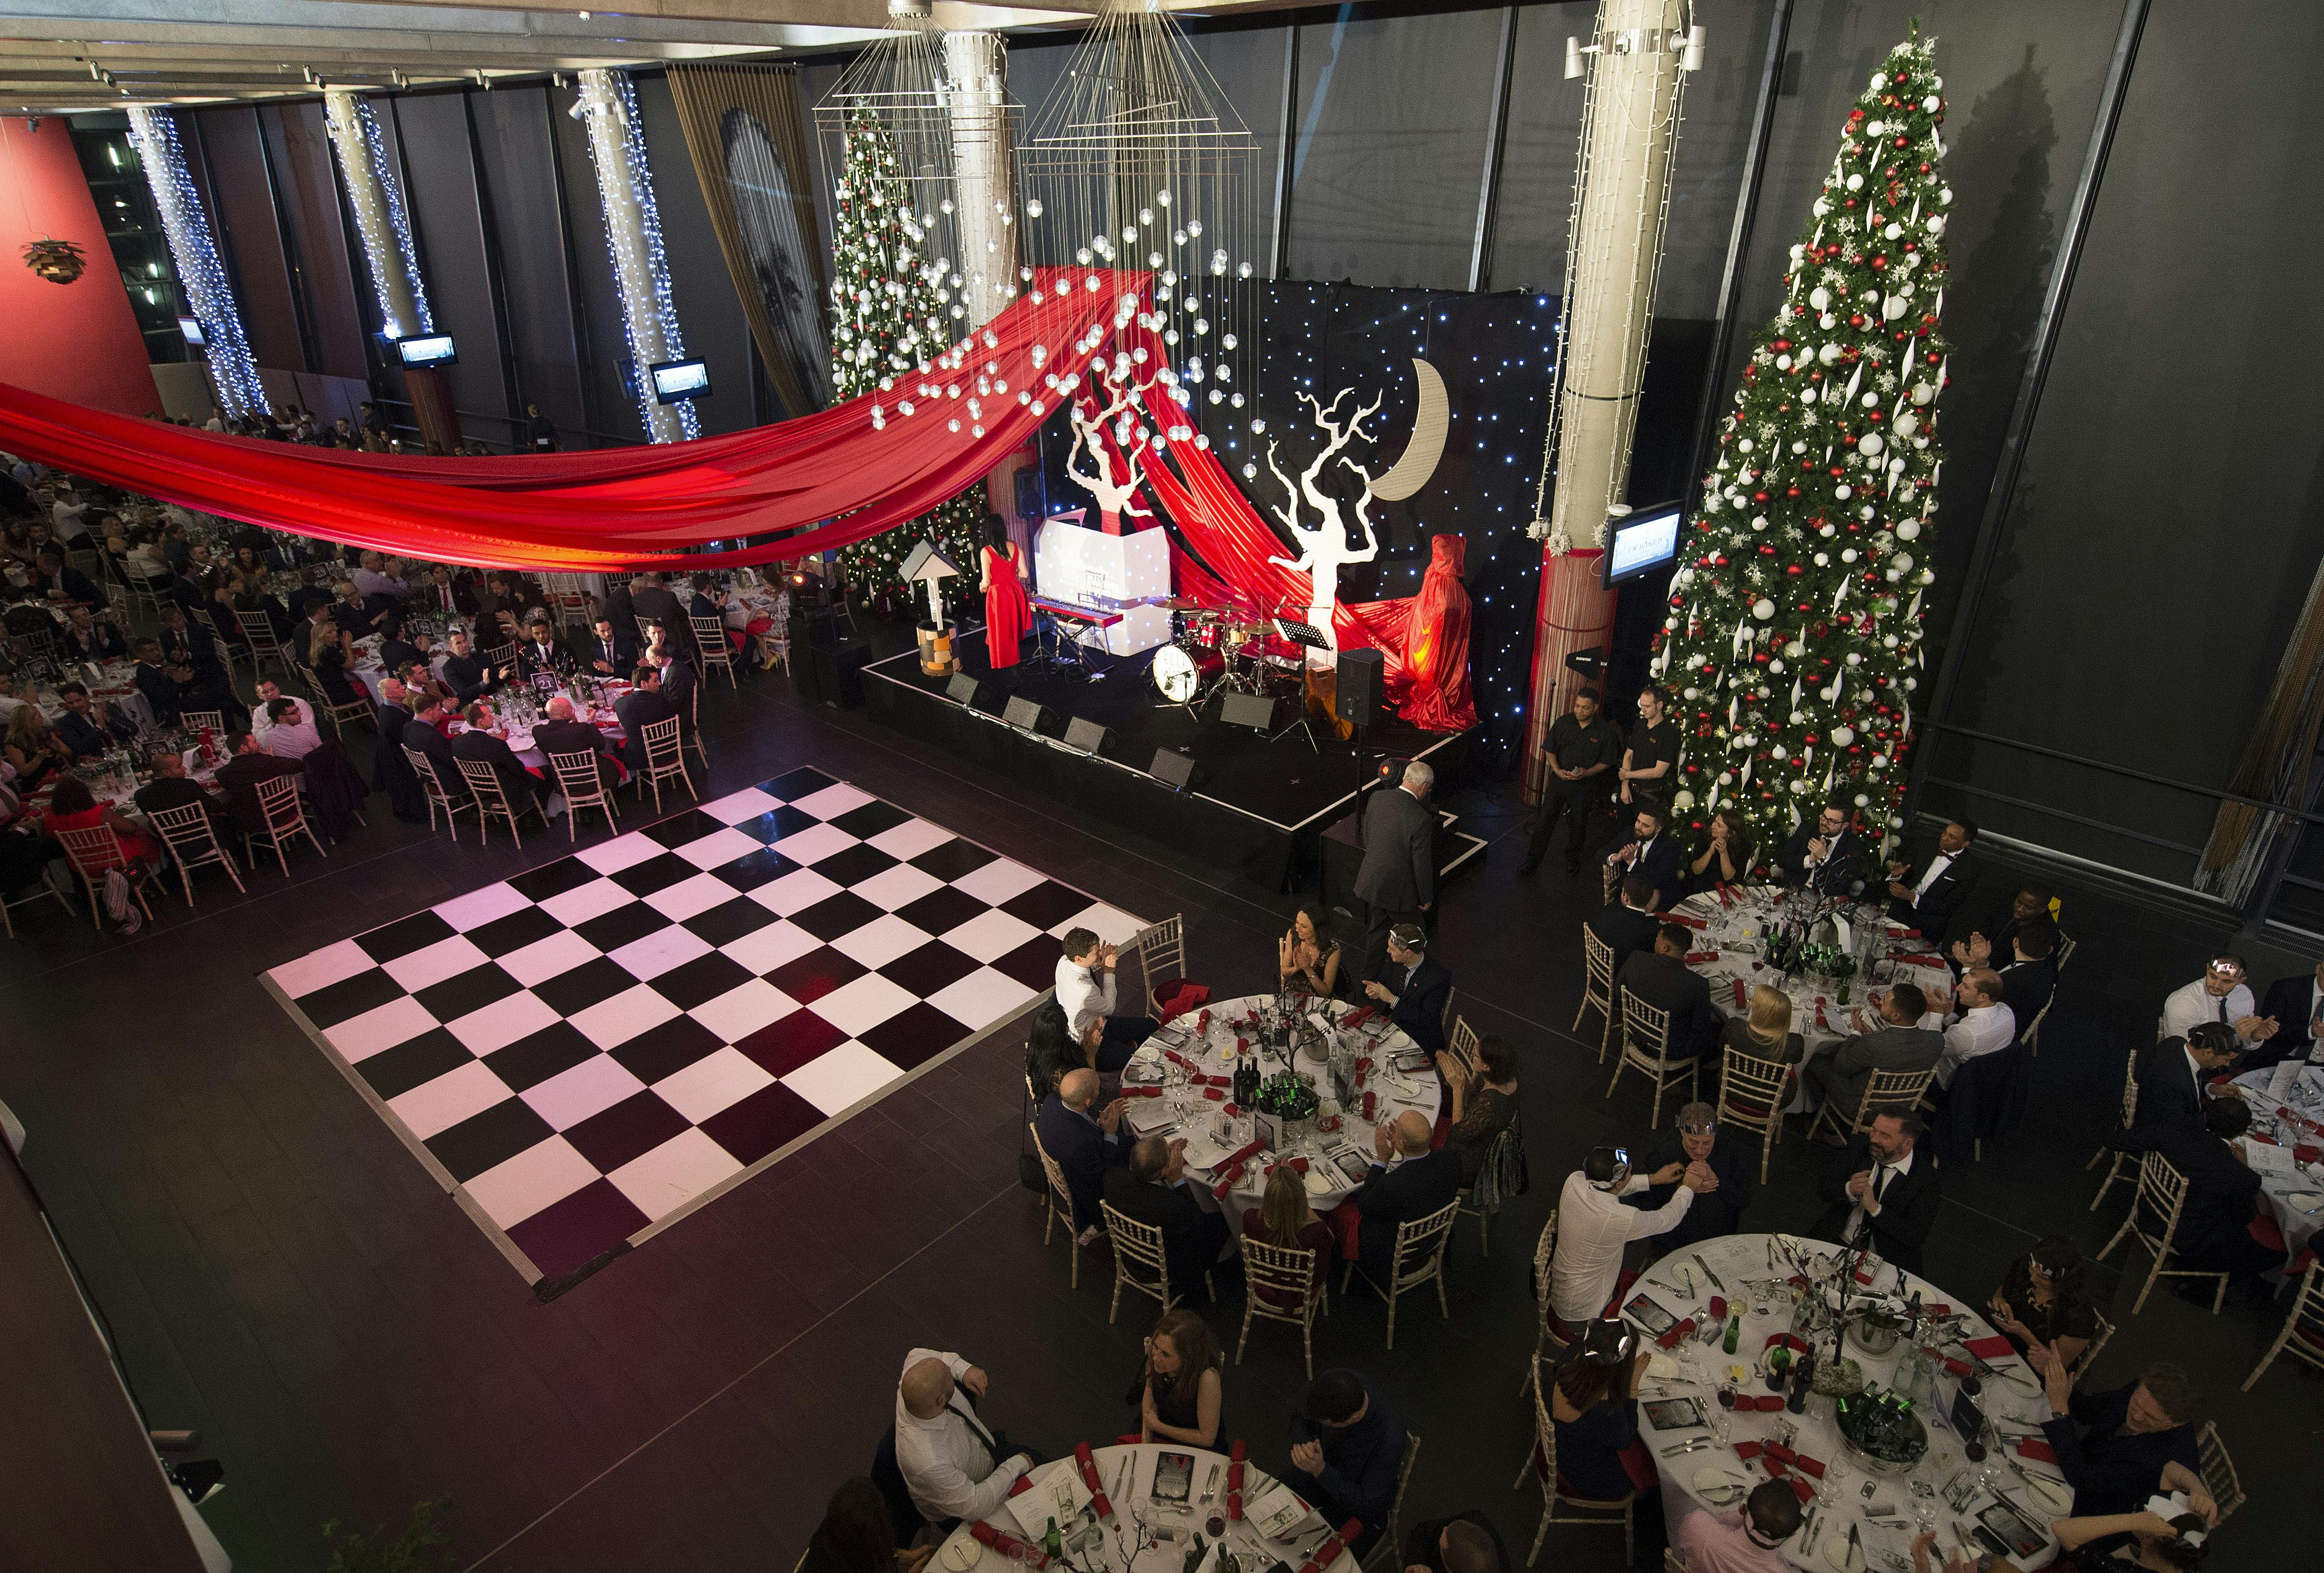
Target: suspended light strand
<point>376,197</point>
<point>617,147</point>
<point>233,372</point>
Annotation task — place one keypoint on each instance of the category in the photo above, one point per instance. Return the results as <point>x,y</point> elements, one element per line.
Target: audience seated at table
<point>642,707</point>
<point>482,743</point>
<point>1662,979</point>
<point>2119,1448</point>
<point>612,650</point>
<point>290,733</point>
<point>1083,1144</point>
<point>1308,957</point>
<point>1408,1182</point>
<point>466,674</point>
<point>2044,1301</point>
<point>560,732</point>
<point>1824,854</point>
<point>1724,857</point>
<point>53,576</point>
<point>1413,986</point>
<point>1593,1388</point>
<point>858,1534</point>
<point>951,1460</point>
<point>1977,1022</point>
<point>1484,1101</point>
<point>2175,1074</point>
<point>1181,1384</point>
<point>91,727</point>
<point>1748,1539</point>
<point>1284,1218</point>
<point>2220,994</point>
<point>91,638</point>
<point>1593,1228</point>
<point>1347,1450</point>
<point>239,777</point>
<point>1085,990</point>
<point>542,651</point>
<point>171,690</point>
<point>72,806</point>
<point>1644,848</point>
<point>171,787</point>
<point>427,735</point>
<point>1765,1031</point>
<point>2293,1004</point>
<point>33,749</point>
<point>2215,1220</point>
<point>1627,924</point>
<point>1149,1188</point>
<point>330,652</point>
<point>1050,1051</point>
<point>1730,1156</point>
<point>1881,1190</point>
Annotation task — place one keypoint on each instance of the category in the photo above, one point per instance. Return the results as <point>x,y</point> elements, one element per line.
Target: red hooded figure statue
<point>1436,645</point>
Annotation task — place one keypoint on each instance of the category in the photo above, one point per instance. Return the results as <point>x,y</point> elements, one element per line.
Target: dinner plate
<point>961,1553</point>
<point>1319,1181</point>
<point>2306,1201</point>
<point>2051,1495</point>
<point>1841,1552</point>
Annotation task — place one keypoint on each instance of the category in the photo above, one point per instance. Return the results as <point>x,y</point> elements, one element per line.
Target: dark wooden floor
<point>281,1274</point>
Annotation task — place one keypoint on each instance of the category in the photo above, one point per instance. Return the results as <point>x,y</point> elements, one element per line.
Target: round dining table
<point>2286,1146</point>
<point>1143,1532</point>
<point>1859,1513</point>
<point>1730,938</point>
<point>1178,1085</point>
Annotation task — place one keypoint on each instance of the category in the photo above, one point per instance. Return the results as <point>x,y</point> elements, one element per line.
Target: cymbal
<point>1184,603</point>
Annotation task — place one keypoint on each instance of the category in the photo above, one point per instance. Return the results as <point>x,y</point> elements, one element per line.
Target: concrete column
<point>233,375</point>
<point>633,231</point>
<point>976,67</point>
<point>378,201</point>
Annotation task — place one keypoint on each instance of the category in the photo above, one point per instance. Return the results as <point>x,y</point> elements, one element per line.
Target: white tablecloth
<point>2014,1403</point>
<point>2293,1195</point>
<point>1127,1473</point>
<point>1186,1112</point>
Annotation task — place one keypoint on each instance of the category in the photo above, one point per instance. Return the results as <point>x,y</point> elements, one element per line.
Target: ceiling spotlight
<point>308,72</point>
<point>582,14</point>
<point>95,74</point>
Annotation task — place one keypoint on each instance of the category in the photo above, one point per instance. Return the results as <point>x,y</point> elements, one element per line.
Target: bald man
<point>944,1451</point>
<point>1084,1141</point>
<point>564,733</point>
<point>1408,1182</point>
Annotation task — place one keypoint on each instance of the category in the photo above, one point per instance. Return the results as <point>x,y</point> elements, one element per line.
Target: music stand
<point>1308,637</point>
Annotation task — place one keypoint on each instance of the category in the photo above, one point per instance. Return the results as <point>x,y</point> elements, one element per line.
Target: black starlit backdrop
<point>1496,353</point>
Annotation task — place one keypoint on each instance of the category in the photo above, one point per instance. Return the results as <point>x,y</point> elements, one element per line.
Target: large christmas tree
<point>888,314</point>
<point>1793,649</point>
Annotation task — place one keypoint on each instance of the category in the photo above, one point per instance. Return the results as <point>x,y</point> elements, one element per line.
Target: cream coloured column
<point>608,108</point>
<point>984,197</point>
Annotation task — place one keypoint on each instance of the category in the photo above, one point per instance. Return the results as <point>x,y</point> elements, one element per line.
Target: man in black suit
<point>1878,1191</point>
<point>1699,1138</point>
<point>612,649</point>
<point>1414,986</point>
<point>1083,1144</point>
<point>171,787</point>
<point>1994,934</point>
<point>1925,895</point>
<point>2030,977</point>
<point>1824,853</point>
<point>91,727</point>
<point>677,686</point>
<point>2172,1076</point>
<point>2222,1189</point>
<point>1648,852</point>
<point>56,574</point>
<point>2293,1004</point>
<point>397,650</point>
<point>1407,1183</point>
<point>562,734</point>
<point>542,651</point>
<point>467,675</point>
<point>619,610</point>
<point>1662,979</point>
<point>1396,881</point>
<point>187,643</point>
<point>173,689</point>
<point>88,638</point>
<point>1627,924</point>
<point>424,734</point>
<point>638,709</point>
<point>479,743</point>
<point>239,777</point>
<point>1579,754</point>
<point>1894,1041</point>
<point>657,603</point>
<point>1147,1190</point>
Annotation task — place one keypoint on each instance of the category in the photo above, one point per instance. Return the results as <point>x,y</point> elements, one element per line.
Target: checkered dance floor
<point>587,1051</point>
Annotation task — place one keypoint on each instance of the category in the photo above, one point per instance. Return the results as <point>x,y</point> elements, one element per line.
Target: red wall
<point>77,341</point>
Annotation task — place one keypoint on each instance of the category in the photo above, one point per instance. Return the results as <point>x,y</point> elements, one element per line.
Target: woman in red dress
<point>1008,609</point>
<point>1436,645</point>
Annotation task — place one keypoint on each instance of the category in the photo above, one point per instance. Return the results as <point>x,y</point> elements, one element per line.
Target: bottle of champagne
<point>1802,1382</point>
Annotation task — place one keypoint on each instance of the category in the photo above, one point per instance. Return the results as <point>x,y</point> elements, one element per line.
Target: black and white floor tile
<point>587,1052</point>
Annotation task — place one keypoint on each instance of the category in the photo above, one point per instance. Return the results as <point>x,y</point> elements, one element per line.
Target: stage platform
<point>1256,806</point>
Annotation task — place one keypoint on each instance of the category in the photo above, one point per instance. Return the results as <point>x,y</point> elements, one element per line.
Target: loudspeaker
<point>1251,710</point>
<point>1032,492</point>
<point>1173,769</point>
<point>961,690</point>
<point>1086,735</point>
<point>1361,687</point>
<point>1022,711</point>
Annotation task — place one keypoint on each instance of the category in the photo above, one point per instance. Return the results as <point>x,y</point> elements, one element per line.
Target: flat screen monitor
<point>191,327</point>
<point>1645,540</point>
<point>434,349</point>
<point>676,382</point>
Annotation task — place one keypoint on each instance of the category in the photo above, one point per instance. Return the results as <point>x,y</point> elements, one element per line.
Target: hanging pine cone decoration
<point>60,262</point>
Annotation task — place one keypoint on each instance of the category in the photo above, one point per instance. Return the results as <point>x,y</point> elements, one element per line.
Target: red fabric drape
<point>832,476</point>
<point>1436,648</point>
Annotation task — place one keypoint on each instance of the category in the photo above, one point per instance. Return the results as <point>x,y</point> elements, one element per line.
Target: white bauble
<point>1843,492</point>
<point>1945,196</point>
<point>1824,560</point>
<point>1922,392</point>
<point>1856,182</point>
<point>1861,800</point>
<point>1934,224</point>
<point>1908,529</point>
<point>1869,443</point>
<point>1920,443</point>
<point>1892,232</point>
<point>1867,512</point>
<point>1929,103</point>
<point>1855,658</point>
<point>1760,523</point>
<point>1907,423</point>
<point>1682,801</point>
<point>1876,128</point>
<point>1911,683</point>
<point>1726,777</point>
<point>1879,761</point>
<point>1895,305</point>
<point>1848,555</point>
<point>1828,354</point>
<point>1779,751</point>
<point>1763,609</point>
<point>1795,649</point>
<point>1820,208</point>
<point>1819,298</point>
<point>1798,446</point>
<point>1776,669</point>
<point>1842,736</point>
<point>1879,80</point>
<point>1826,530</point>
<point>1888,642</point>
<point>1870,400</point>
<point>1782,363</point>
<point>1744,445</point>
<point>1826,321</point>
<point>1798,253</point>
<point>1903,560</point>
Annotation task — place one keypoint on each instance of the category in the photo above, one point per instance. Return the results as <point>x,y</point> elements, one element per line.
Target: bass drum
<point>1174,676</point>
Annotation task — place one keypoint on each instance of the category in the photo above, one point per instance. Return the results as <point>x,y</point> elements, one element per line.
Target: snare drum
<point>1238,635</point>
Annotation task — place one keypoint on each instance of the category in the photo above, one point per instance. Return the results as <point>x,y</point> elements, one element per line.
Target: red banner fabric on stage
<point>834,476</point>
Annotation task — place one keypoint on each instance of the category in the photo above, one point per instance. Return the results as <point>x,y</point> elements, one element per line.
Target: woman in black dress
<point>2044,1298</point>
<point>1723,859</point>
<point>1484,1101</point>
<point>1593,1408</point>
<point>1179,1389</point>
<point>1307,958</point>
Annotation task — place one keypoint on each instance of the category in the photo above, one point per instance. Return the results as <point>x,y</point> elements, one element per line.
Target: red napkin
<point>1358,1017</point>
<point>1678,1330</point>
<point>1363,1071</point>
<point>1371,1104</point>
<point>1724,899</point>
<point>1801,1489</point>
<point>2035,1448</point>
<point>1807,1465</point>
<point>1098,1504</point>
<point>1008,1545</point>
<point>1243,1046</point>
<point>1681,917</point>
<point>1719,1308</point>
<point>1175,1058</point>
<point>1765,1402</point>
<point>1995,1348</point>
<point>2306,1154</point>
<point>1941,1309</point>
<point>1738,993</point>
<point>1297,1166</point>
<point>1178,996</point>
<point>1024,1482</point>
<point>1236,1454</point>
<point>1142,1093</point>
<point>1694,956</point>
<point>1777,1450</point>
<point>1234,1506</point>
<point>1215,1095</point>
<point>1955,1368</point>
<point>1773,1465</point>
<point>1923,961</point>
<point>1203,1023</point>
<point>1746,1451</point>
<point>1235,1113</point>
<point>1820,1019</point>
<point>1126,1439</point>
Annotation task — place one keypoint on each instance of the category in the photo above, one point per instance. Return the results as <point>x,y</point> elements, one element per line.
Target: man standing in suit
<point>2173,1076</point>
<point>1627,924</point>
<point>1407,1183</point>
<point>1414,986</point>
<point>2293,1004</point>
<point>613,652</point>
<point>1899,1043</point>
<point>1083,1146</point>
<point>1927,899</point>
<point>1877,1192</point>
<point>1647,852</point>
<point>1652,753</point>
<point>1822,855</point>
<point>638,709</point>
<point>1396,881</point>
<point>562,734</point>
<point>480,743</point>
<point>657,604</point>
<point>1150,1190</point>
<point>1580,750</point>
<point>1662,979</point>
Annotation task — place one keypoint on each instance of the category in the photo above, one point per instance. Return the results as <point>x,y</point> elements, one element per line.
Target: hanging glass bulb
<point>944,206</point>
<point>1201,326</point>
<point>1033,207</point>
<point>1129,232</point>
<point>1179,237</point>
<point>1084,257</point>
<point>1153,259</point>
<point>1194,227</point>
<point>1235,402</point>
<point>1258,427</point>
<point>1242,270</point>
<point>1251,471</point>
<point>1228,341</point>
<point>1145,215</point>
<point>1163,197</point>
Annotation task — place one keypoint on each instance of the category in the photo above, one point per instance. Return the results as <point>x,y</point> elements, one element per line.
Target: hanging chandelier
<point>60,262</point>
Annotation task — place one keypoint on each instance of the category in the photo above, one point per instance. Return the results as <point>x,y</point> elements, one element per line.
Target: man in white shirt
<point>2219,995</point>
<point>8,697</point>
<point>1980,1025</point>
<point>944,1451</point>
<point>262,721</point>
<point>1593,1227</point>
<point>288,737</point>
<point>1086,994</point>
<point>371,578</point>
<point>68,514</point>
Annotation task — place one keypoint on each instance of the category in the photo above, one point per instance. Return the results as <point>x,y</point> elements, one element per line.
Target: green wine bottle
<point>1053,1544</point>
<point>1734,1332</point>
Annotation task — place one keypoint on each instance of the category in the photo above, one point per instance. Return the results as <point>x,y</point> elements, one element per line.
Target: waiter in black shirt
<point>1653,751</point>
<point>540,430</point>
<point>1579,751</point>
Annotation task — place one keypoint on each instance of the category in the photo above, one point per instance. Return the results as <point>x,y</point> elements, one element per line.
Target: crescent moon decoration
<point>1411,473</point>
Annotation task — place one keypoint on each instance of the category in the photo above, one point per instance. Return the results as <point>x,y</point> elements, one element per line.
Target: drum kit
<point>1218,648</point>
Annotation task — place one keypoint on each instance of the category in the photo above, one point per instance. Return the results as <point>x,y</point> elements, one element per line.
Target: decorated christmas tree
<point>1793,647</point>
<point>888,316</point>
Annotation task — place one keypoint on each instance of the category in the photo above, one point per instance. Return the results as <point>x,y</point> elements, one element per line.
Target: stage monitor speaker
<point>1085,736</point>
<point>1032,492</point>
<point>1022,711</point>
<point>961,690</point>
<point>1362,689</point>
<point>1256,710</point>
<point>1173,769</point>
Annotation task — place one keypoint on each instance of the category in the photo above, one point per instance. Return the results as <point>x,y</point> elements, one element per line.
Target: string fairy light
<point>608,107</point>
<point>376,197</point>
<point>233,372</point>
